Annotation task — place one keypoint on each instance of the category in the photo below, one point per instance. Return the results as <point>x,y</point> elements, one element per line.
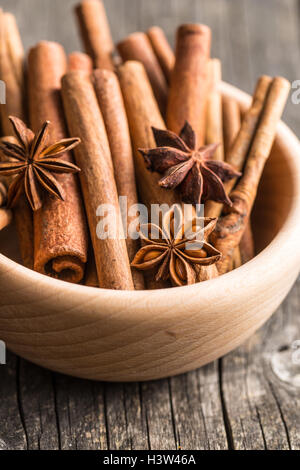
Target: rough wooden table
<point>237,402</point>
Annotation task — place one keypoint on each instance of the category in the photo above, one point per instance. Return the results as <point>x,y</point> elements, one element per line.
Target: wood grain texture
<point>204,407</point>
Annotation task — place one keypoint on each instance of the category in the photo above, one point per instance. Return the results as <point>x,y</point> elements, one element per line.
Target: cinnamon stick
<point>231,227</point>
<point>80,61</point>
<point>95,32</point>
<point>60,232</point>
<point>12,73</point>
<point>113,110</point>
<point>239,150</point>
<point>138,47</point>
<point>11,70</point>
<point>236,258</point>
<point>189,91</point>
<point>231,122</point>
<point>247,245</point>
<point>214,119</point>
<point>237,144</point>
<point>97,178</point>
<point>162,50</point>
<point>205,273</point>
<point>231,126</point>
<point>214,125</point>
<point>143,114</point>
<point>189,83</point>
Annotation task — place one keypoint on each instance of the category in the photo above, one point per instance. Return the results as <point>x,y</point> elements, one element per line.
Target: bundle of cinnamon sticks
<point>154,129</point>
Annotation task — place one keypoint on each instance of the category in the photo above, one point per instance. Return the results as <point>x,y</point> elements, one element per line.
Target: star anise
<point>176,248</point>
<point>33,161</point>
<point>188,167</point>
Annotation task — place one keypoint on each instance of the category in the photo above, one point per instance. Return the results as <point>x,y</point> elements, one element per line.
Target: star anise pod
<point>34,161</point>
<point>191,169</point>
<point>176,248</point>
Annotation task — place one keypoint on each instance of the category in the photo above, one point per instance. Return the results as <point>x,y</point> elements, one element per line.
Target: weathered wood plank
<point>156,402</point>
<point>197,409</point>
<point>36,399</point>
<point>125,418</point>
<point>80,408</point>
<point>12,432</point>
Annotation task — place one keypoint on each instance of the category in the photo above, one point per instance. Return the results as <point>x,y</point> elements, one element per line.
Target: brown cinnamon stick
<point>60,232</point>
<point>96,33</point>
<point>205,273</point>
<point>231,127</point>
<point>12,73</point>
<point>231,227</point>
<point>113,110</point>
<point>189,83</point>
<point>214,119</point>
<point>11,70</point>
<point>189,91</point>
<point>162,50</point>
<point>237,144</point>
<point>80,61</point>
<point>231,122</point>
<point>143,113</point>
<point>214,125</point>
<point>247,245</point>
<point>97,179</point>
<point>138,47</point>
<point>239,150</point>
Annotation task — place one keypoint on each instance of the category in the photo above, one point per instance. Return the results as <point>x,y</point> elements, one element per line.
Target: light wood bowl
<point>126,336</point>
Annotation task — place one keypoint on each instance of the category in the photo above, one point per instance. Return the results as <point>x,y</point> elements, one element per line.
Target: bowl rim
<point>270,250</point>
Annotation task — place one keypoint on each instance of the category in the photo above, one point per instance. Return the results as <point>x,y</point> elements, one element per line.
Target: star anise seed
<point>191,169</point>
<point>33,161</point>
<point>176,253</point>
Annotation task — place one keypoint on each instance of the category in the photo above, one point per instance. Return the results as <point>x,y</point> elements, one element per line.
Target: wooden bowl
<point>126,336</point>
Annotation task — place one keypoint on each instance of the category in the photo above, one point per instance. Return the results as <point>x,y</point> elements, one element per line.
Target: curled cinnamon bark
<point>138,47</point>
<point>12,73</point>
<point>231,122</point>
<point>96,33</point>
<point>237,141</point>
<point>60,232</point>
<point>231,227</point>
<point>231,126</point>
<point>247,245</point>
<point>189,83</point>
<point>97,180</point>
<point>80,61</point>
<point>214,125</point>
<point>113,110</point>
<point>238,152</point>
<point>143,114</point>
<point>189,91</point>
<point>162,50</point>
